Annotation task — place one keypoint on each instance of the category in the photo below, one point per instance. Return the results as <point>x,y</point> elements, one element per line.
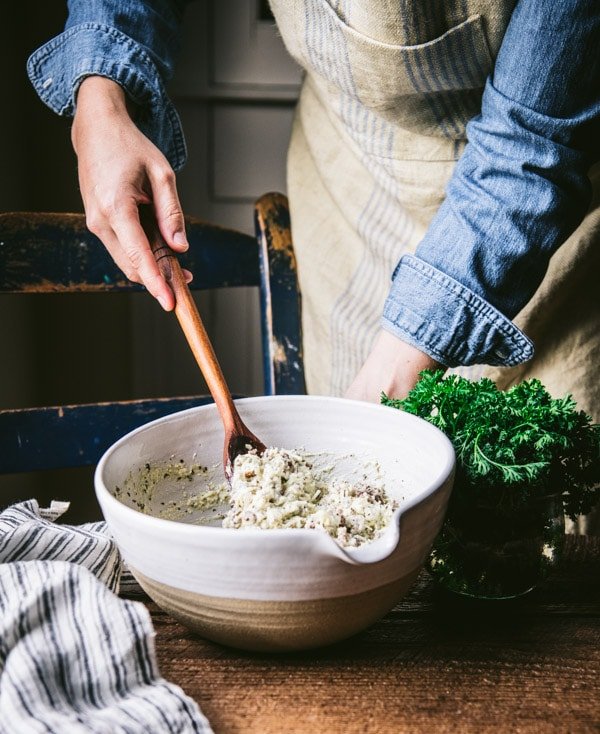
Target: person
<point>441,178</point>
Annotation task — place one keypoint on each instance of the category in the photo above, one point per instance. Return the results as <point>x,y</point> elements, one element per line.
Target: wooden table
<point>434,664</point>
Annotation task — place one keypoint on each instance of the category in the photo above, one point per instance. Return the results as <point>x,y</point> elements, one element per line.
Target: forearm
<point>152,25</point>
<point>132,43</point>
<point>517,193</point>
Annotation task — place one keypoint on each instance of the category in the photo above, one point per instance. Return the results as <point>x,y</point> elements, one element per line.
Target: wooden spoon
<point>238,438</point>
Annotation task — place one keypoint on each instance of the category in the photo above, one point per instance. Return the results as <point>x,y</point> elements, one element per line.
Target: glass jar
<point>497,552</point>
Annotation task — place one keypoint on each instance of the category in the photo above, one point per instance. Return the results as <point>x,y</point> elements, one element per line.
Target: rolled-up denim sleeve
<point>134,43</point>
<point>518,191</point>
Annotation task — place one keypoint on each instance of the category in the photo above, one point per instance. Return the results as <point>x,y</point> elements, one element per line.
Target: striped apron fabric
<point>74,657</point>
<point>388,91</point>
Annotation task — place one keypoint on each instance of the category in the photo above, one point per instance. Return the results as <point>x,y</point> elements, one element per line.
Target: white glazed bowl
<point>282,589</point>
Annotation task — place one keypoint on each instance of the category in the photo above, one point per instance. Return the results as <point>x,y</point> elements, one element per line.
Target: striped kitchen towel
<point>74,657</point>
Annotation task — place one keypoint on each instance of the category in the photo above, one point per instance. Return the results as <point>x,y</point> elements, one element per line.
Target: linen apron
<point>388,91</point>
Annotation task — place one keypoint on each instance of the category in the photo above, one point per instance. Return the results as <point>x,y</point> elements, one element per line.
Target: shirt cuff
<point>446,320</point>
<point>91,49</point>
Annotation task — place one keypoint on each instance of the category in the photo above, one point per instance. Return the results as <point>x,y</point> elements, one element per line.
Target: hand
<point>392,367</point>
<point>119,169</point>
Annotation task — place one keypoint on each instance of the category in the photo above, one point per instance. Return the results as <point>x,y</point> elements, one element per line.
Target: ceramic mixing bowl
<point>278,589</point>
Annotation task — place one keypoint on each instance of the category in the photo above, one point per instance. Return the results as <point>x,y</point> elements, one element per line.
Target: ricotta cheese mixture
<point>281,489</point>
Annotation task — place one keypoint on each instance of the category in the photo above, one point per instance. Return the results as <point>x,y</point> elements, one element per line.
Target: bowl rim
<point>357,555</point>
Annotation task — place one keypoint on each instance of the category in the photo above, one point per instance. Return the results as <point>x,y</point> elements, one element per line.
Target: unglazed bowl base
<point>276,626</point>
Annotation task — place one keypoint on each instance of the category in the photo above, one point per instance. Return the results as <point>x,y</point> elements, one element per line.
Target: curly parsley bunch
<point>521,439</point>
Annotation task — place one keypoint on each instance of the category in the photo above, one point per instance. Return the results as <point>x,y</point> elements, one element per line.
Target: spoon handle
<point>190,321</point>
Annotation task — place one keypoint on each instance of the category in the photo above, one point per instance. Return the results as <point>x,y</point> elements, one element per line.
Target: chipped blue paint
<point>280,302</point>
<point>46,252</point>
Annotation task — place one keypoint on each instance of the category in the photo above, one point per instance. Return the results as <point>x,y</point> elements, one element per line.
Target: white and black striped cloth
<point>74,657</point>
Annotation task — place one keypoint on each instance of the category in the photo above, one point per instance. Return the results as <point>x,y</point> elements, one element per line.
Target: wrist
<point>98,99</point>
<point>100,93</point>
<point>392,367</point>
<point>399,364</point>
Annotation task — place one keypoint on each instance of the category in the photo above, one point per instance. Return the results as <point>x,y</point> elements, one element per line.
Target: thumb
<point>169,214</point>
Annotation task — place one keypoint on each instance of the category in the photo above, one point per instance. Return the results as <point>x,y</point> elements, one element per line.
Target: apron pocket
<point>384,74</point>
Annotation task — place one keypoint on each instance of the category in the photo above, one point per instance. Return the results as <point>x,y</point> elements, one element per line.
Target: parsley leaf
<point>521,442</point>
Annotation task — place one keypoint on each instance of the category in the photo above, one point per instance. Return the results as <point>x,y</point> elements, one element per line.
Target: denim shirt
<point>518,191</point>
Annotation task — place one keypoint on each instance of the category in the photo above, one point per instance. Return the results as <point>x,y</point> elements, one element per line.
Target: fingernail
<point>163,302</point>
<point>180,240</point>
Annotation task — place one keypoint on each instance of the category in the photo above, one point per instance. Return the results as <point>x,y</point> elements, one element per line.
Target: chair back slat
<point>77,435</point>
<point>45,253</point>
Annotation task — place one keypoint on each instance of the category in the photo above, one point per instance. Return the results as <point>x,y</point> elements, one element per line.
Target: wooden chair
<point>55,253</point>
